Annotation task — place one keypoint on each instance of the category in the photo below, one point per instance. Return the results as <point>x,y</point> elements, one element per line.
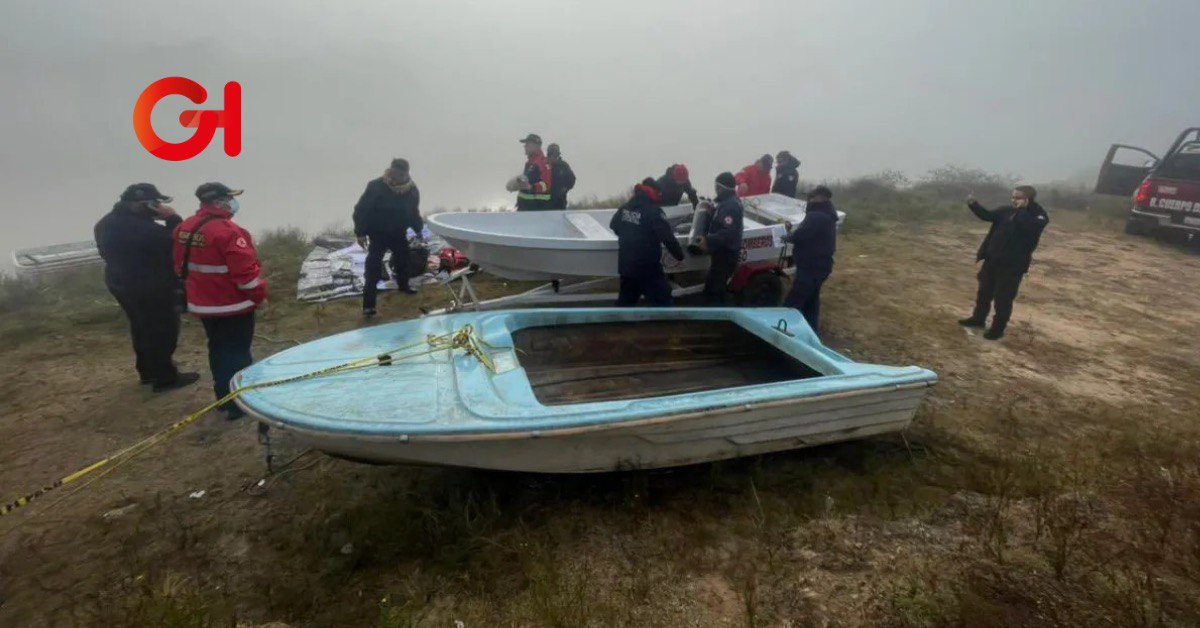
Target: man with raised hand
<point>1006,253</point>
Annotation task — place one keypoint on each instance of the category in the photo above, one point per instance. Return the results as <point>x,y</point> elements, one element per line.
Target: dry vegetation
<point>1051,479</point>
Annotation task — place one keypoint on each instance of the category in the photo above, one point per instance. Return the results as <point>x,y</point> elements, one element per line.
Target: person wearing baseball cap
<point>562,177</point>
<point>137,271</point>
<point>223,283</point>
<point>534,192</point>
<point>674,184</point>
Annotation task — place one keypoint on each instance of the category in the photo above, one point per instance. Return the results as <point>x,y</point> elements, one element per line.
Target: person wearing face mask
<point>223,283</point>
<point>813,243</point>
<point>138,272</point>
<point>723,242</point>
<point>388,208</point>
<point>1006,253</point>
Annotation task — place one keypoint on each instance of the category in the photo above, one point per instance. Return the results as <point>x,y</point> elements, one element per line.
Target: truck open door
<point>1119,175</point>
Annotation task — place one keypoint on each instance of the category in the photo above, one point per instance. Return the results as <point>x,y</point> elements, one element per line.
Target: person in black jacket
<point>724,240</point>
<point>1006,253</point>
<point>388,208</point>
<point>674,184</point>
<point>562,178</point>
<point>642,230</point>
<point>787,174</point>
<point>813,244</point>
<point>140,274</point>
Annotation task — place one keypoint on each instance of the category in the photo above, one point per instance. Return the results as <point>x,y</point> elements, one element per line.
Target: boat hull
<point>526,264</point>
<point>662,442</point>
<point>571,244</point>
<point>577,390</point>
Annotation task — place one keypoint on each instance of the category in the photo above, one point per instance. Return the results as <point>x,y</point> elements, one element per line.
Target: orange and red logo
<point>205,121</point>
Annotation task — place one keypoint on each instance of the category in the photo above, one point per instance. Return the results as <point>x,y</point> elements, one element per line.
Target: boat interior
<point>569,364</point>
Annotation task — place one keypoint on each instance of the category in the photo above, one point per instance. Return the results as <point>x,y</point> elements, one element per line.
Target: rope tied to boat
<point>466,339</point>
<point>463,338</point>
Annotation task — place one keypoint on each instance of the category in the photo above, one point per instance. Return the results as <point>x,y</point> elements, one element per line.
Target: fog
<point>332,91</point>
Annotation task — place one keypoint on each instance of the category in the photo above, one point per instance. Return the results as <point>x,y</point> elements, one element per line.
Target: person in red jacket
<point>755,178</point>
<point>534,191</point>
<point>223,283</point>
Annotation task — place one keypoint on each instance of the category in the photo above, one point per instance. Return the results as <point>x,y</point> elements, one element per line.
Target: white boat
<point>578,390</point>
<point>44,260</point>
<point>567,244</point>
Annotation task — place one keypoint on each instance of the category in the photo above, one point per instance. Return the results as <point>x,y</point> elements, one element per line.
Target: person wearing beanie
<point>137,271</point>
<point>814,242</point>
<point>787,174</point>
<point>723,243</point>
<point>562,178</point>
<point>674,184</point>
<point>642,230</point>
<point>1006,253</point>
<point>756,178</point>
<point>387,209</point>
<point>535,182</point>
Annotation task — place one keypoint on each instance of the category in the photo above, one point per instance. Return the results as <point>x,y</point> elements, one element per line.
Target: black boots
<point>181,380</point>
<point>996,332</point>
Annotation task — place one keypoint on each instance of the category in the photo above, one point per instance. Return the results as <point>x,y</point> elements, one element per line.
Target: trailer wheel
<point>764,289</point>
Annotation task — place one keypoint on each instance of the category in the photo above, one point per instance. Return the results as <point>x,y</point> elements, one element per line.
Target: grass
<point>890,199</point>
<point>167,601</point>
<point>77,301</point>
<point>69,301</point>
<point>1033,508</point>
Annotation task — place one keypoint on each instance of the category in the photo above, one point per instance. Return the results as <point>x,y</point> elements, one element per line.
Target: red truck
<point>1165,192</point>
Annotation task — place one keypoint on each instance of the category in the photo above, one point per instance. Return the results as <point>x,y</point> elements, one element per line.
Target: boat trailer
<point>753,284</point>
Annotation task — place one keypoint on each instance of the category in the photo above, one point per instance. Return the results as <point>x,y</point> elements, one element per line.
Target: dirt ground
<point>1047,481</point>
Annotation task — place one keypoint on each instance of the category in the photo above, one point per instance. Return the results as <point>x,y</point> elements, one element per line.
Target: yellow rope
<point>464,338</point>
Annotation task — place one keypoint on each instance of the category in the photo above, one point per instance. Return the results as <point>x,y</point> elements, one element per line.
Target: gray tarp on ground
<point>334,269</point>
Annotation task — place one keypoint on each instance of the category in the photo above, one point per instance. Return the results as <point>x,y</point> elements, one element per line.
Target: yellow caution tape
<point>464,339</point>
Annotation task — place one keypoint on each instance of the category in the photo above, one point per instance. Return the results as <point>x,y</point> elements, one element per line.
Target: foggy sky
<point>332,91</point>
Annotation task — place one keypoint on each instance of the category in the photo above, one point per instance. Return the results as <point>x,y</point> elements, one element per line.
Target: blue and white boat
<point>578,390</point>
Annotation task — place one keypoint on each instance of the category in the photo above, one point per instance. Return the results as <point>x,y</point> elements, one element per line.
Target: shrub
<point>953,183</point>
<point>281,252</point>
